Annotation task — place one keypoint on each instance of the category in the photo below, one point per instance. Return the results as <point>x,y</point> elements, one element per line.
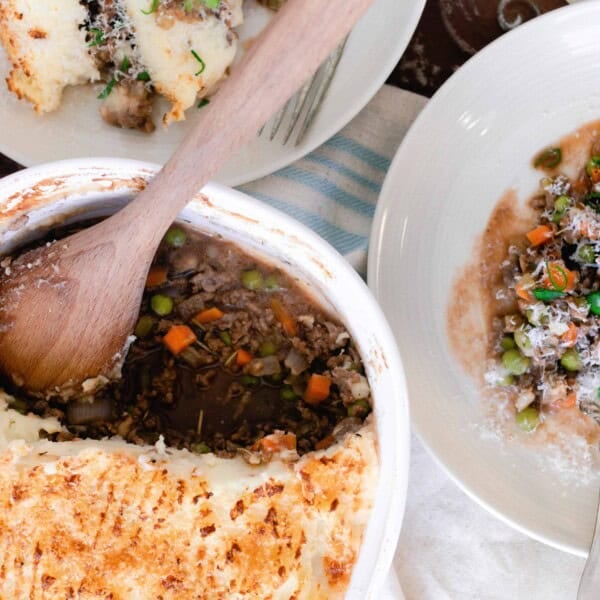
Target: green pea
<point>571,360</point>
<point>506,380</point>
<point>287,393</point>
<point>547,295</point>
<point>225,337</point>
<point>175,237</point>
<point>144,326</point>
<point>267,348</point>
<point>562,203</point>
<point>592,165</point>
<point>514,362</point>
<point>360,408</point>
<point>548,159</point>
<point>528,419</point>
<point>200,448</point>
<point>162,305</point>
<point>586,254</point>
<point>536,321</point>
<point>560,206</point>
<point>272,283</point>
<point>507,343</point>
<point>522,340</point>
<point>252,280</point>
<point>593,300</point>
<point>249,380</point>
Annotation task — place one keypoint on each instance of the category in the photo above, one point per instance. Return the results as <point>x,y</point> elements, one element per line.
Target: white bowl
<point>36,199</point>
<point>472,142</point>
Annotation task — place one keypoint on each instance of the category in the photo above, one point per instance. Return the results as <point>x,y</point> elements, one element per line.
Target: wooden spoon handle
<point>284,56</point>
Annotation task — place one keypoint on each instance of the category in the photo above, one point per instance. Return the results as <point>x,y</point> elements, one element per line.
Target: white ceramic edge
<point>344,116</point>
<point>375,250</point>
<point>351,294</point>
<point>335,125</point>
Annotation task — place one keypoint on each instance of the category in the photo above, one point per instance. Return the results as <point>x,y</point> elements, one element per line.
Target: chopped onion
<point>360,389</point>
<point>269,365</point>
<point>83,413</point>
<point>295,362</point>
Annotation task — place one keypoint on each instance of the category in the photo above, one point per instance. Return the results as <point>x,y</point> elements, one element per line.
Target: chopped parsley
<point>188,5</point>
<point>105,93</point>
<point>153,8</point>
<point>98,37</point>
<point>199,59</point>
<point>203,102</point>
<point>143,76</point>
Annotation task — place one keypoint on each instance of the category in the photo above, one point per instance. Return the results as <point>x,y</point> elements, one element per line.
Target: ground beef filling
<point>231,356</point>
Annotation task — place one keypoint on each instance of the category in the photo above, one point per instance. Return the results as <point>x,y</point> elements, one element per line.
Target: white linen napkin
<point>450,547</point>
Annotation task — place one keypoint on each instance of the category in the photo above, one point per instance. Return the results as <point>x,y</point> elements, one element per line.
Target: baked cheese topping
<point>108,519</point>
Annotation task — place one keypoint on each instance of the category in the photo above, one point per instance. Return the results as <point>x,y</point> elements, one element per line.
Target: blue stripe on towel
<point>368,156</point>
<point>345,171</point>
<point>343,241</point>
<point>322,185</point>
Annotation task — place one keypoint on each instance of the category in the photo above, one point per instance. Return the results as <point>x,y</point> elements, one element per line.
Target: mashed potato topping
<point>140,49</point>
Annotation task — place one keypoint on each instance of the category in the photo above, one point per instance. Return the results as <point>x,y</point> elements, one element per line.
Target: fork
<point>305,103</point>
<point>589,585</point>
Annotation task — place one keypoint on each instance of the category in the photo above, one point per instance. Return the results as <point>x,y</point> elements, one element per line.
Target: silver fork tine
<point>278,118</point>
<point>329,70</point>
<point>300,98</point>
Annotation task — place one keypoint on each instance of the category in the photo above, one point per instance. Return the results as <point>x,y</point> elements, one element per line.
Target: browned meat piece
<point>129,105</point>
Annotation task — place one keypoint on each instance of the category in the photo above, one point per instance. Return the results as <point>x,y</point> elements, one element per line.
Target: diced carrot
<point>325,443</point>
<point>243,357</point>
<point>559,278</point>
<point>276,442</point>
<point>522,291</point>
<point>569,402</point>
<point>569,337</point>
<point>317,389</point>
<point>284,317</point>
<point>178,338</point>
<point>209,315</point>
<point>156,276</point>
<point>540,235</point>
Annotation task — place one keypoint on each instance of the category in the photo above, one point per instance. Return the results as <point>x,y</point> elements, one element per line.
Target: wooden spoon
<point>67,310</point>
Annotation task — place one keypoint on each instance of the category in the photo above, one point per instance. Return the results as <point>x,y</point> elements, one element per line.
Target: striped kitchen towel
<point>334,189</point>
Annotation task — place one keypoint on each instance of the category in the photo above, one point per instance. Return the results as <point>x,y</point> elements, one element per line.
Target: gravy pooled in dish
<point>230,355</point>
<point>539,275</point>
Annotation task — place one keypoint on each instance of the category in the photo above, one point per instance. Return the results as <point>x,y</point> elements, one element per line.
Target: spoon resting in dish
<point>67,310</point>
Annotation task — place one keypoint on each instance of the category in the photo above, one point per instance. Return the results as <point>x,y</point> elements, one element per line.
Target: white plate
<point>472,142</point>
<point>77,130</point>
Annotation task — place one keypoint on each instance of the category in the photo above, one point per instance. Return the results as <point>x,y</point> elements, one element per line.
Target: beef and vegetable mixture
<point>230,356</point>
<point>548,347</point>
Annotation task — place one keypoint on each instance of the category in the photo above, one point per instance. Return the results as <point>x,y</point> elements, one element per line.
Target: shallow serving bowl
<point>474,141</point>
<point>34,200</point>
